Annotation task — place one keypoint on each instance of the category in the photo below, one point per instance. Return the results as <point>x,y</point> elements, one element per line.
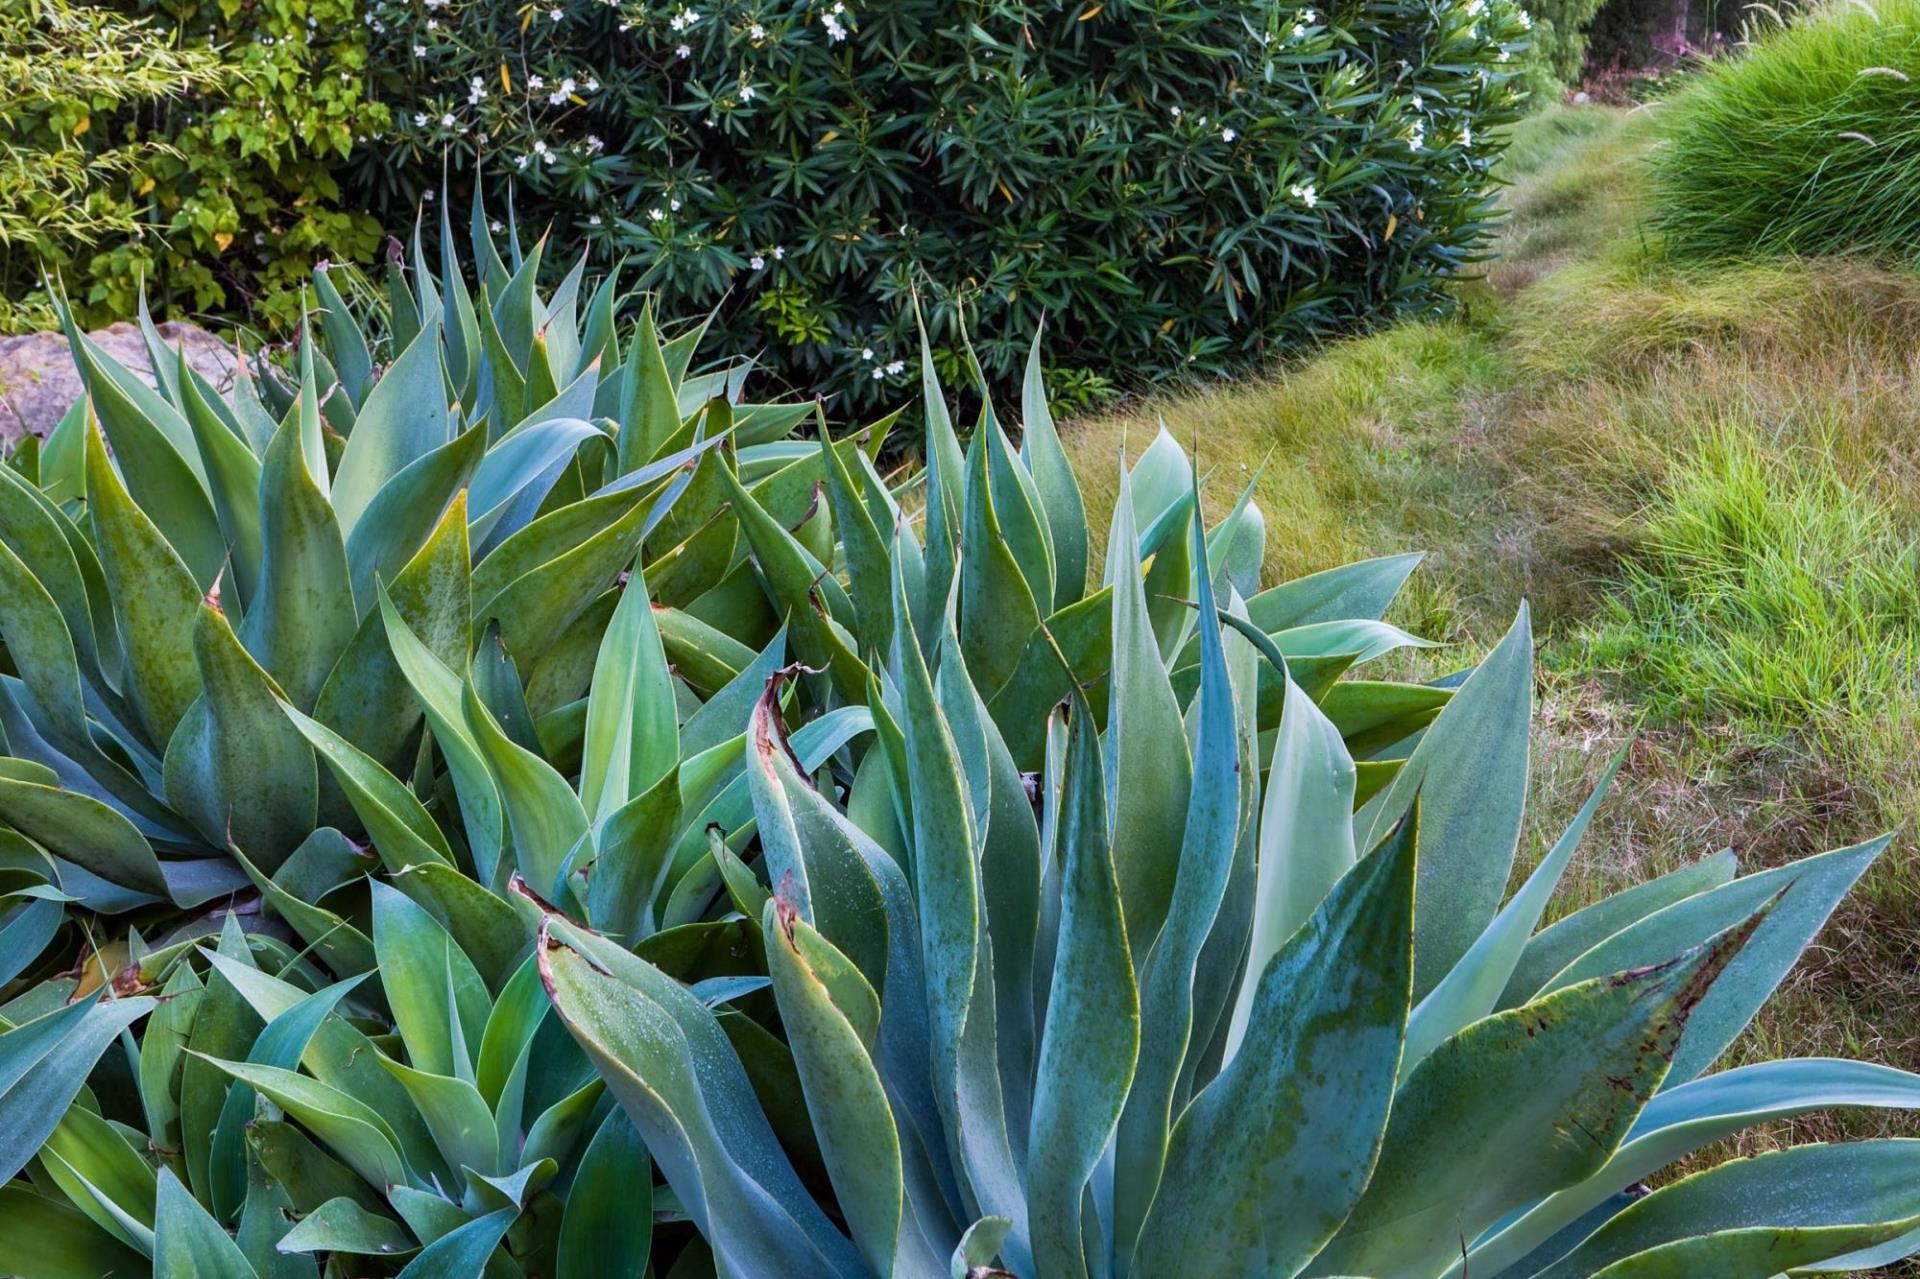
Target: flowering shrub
<point>1179,186</point>
<point>219,192</point>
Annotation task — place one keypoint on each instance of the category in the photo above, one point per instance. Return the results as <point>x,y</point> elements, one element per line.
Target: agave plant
<point>1231,985</point>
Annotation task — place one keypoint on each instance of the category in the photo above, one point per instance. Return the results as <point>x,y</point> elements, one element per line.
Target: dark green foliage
<point>1179,187</point>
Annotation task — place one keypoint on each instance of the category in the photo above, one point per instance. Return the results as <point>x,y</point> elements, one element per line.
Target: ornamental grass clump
<point>1187,188</point>
<point>573,828</point>
<point>1802,144</point>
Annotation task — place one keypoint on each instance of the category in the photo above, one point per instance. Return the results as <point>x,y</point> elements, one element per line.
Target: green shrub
<point>1182,188</point>
<point>67,69</point>
<point>216,192</point>
<point>1802,145</point>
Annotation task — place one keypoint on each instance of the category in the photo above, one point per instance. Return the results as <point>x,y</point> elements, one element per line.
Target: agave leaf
<point>1553,948</point>
<point>92,1163</point>
<point>154,453</point>
<point>1091,1038</point>
<point>397,822</point>
<point>1147,766</point>
<point>351,1128</point>
<point>464,1250</point>
<point>81,829</point>
<point>1270,1158</point>
<point>366,696</point>
<point>438,1000</point>
<point>44,1063</point>
<point>233,477</point>
<point>440,694</point>
<point>1359,590</point>
<point>280,1045</point>
<point>25,929</point>
<point>45,1236</point>
<point>458,1117</point>
<point>997,597</point>
<point>46,544</point>
<point>403,419</point>
<point>869,565</point>
<point>1470,770</point>
<point>1468,992</point>
<point>645,1032</point>
<point>1684,1118</point>
<point>406,511</point>
<point>1053,480</point>
<point>832,1018</point>
<point>547,825</point>
<point>1204,867</point>
<point>536,608</point>
<point>224,1025</point>
<point>236,768</point>
<point>302,618</point>
<point>1305,836</point>
<point>1520,1104</point>
<point>607,1229</point>
<point>190,1244</point>
<point>343,1226</point>
<point>1807,892</point>
<point>632,738</point>
<point>946,489</point>
<point>155,598</point>
<point>487,928</point>
<point>341,946</point>
<point>1770,1213</point>
<point>634,845</point>
<point>649,413</point>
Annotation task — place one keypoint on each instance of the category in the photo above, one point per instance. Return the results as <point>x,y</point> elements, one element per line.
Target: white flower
<point>494,226</point>
<point>1476,7</point>
<point>757,263</point>
<point>1305,194</point>
<point>543,151</point>
<point>779,252</point>
<point>536,83</point>
<point>433,24</point>
<point>1174,112</point>
<point>556,14</point>
<point>896,367</point>
<point>1228,135</point>
<point>756,32</point>
<point>476,90</point>
<point>657,215</point>
<point>519,162</point>
<point>746,93</point>
<point>594,144</point>
<point>674,205</point>
<point>1524,18</point>
<point>592,85</point>
<point>594,220</point>
<point>1309,17</point>
<point>419,50</point>
<point>427,196</point>
<point>1504,55</point>
<point>866,353</point>
<point>684,52</point>
<point>446,120</point>
<point>835,32</point>
<point>1466,136</point>
<point>1299,32</point>
<point>878,374</point>
<point>420,119</point>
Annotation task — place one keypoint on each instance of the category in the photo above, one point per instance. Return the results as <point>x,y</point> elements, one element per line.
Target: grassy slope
<point>1705,481</point>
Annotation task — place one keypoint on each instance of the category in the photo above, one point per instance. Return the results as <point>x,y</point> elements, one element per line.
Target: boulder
<point>39,383</point>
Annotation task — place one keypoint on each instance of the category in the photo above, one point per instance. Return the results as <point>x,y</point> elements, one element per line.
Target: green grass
<point>1805,144</point>
<point>1705,479</point>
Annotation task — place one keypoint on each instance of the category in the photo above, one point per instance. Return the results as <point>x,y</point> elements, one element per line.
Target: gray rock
<point>39,383</point>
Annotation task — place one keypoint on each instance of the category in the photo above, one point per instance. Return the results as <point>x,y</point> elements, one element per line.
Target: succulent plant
<point>1220,991</point>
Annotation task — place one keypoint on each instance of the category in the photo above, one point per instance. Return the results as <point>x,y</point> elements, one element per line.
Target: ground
<point>1704,480</point>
